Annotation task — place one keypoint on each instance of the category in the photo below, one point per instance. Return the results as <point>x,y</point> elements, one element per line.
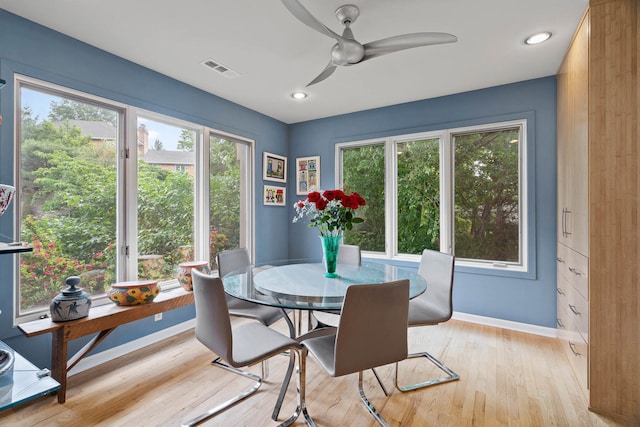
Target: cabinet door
<point>564,136</point>
<point>573,109</point>
<point>579,217</point>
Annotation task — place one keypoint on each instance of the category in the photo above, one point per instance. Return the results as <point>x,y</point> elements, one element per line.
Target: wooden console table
<point>101,320</point>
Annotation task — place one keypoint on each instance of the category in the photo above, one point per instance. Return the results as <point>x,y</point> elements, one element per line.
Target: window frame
<point>22,81</point>
<point>126,201</point>
<point>523,194</point>
<point>447,194</point>
<point>131,246</point>
<point>247,227</point>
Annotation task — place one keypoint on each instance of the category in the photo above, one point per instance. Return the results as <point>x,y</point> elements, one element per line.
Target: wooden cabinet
<point>599,207</point>
<point>573,195</point>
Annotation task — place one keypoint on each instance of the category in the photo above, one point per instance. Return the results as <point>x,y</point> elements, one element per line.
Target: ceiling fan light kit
<point>347,50</point>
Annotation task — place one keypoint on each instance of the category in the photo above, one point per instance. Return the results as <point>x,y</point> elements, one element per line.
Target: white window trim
<point>447,171</point>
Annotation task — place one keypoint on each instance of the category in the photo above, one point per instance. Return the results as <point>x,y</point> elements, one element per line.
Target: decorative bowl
<point>134,292</point>
<point>6,194</point>
<point>6,358</point>
<point>184,272</point>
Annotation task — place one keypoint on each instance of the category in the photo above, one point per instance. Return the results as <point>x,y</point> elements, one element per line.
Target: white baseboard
<point>115,352</point>
<point>507,324</point>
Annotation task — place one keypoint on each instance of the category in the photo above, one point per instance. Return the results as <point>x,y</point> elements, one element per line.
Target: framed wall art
<point>274,195</point>
<point>274,167</point>
<point>307,174</point>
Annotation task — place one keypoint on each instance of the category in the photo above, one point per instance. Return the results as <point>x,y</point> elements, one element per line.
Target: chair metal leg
<point>302,405</point>
<point>231,402</point>
<point>451,376</point>
<point>302,384</point>
<point>287,378</point>
<point>372,410</point>
<point>285,385</point>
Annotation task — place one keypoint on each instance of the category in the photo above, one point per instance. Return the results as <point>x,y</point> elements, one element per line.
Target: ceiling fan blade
<point>405,41</point>
<point>304,16</point>
<point>328,70</point>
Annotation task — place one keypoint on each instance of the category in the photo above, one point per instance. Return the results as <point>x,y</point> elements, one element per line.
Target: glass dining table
<point>302,285</point>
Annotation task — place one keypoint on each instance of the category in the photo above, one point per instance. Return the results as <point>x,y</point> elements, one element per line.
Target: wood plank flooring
<point>507,379</point>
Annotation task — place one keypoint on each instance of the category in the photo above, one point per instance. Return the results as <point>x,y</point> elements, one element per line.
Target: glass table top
<point>301,284</point>
<point>24,381</point>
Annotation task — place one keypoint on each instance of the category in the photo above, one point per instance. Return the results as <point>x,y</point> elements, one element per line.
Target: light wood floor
<point>507,379</point>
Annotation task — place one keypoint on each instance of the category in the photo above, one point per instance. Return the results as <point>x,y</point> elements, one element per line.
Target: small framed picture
<point>274,195</point>
<point>274,167</point>
<point>307,174</point>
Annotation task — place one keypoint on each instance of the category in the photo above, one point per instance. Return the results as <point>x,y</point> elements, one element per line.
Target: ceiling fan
<point>347,50</point>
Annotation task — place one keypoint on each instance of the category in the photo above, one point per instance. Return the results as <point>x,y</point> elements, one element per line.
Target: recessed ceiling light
<point>538,38</point>
<point>298,95</point>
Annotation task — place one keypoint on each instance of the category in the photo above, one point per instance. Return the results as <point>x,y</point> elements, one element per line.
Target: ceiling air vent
<point>220,68</point>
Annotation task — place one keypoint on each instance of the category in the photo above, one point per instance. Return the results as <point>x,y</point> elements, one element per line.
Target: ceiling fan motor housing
<point>351,52</point>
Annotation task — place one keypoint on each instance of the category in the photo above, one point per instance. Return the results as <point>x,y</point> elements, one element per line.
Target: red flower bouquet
<point>331,211</point>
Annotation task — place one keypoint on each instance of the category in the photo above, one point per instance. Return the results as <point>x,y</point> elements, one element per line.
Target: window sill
<point>461,266</point>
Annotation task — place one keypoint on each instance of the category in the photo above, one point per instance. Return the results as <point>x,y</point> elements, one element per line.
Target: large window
<point>456,190</point>
<point>230,171</point>
<point>365,175</point>
<point>109,203</point>
<point>166,210</point>
<point>418,195</point>
<point>486,194</point>
<point>68,167</point>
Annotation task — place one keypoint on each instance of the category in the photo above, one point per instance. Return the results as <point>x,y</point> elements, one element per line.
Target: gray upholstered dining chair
<point>372,332</point>
<point>240,346</point>
<point>434,306</point>
<point>348,255</point>
<point>235,259</point>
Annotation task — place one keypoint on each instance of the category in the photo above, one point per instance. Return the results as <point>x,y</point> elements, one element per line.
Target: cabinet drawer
<point>579,310</point>
<point>576,351</point>
<point>566,327</point>
<point>577,270</point>
<point>565,321</point>
<point>562,258</point>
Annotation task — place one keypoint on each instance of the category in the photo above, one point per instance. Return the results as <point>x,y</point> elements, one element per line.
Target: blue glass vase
<point>330,246</point>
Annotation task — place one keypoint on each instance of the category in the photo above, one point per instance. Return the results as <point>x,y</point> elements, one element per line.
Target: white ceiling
<point>276,54</point>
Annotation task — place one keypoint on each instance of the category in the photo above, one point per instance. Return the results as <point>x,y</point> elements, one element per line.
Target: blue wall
<point>528,298</point>
<point>32,50</point>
